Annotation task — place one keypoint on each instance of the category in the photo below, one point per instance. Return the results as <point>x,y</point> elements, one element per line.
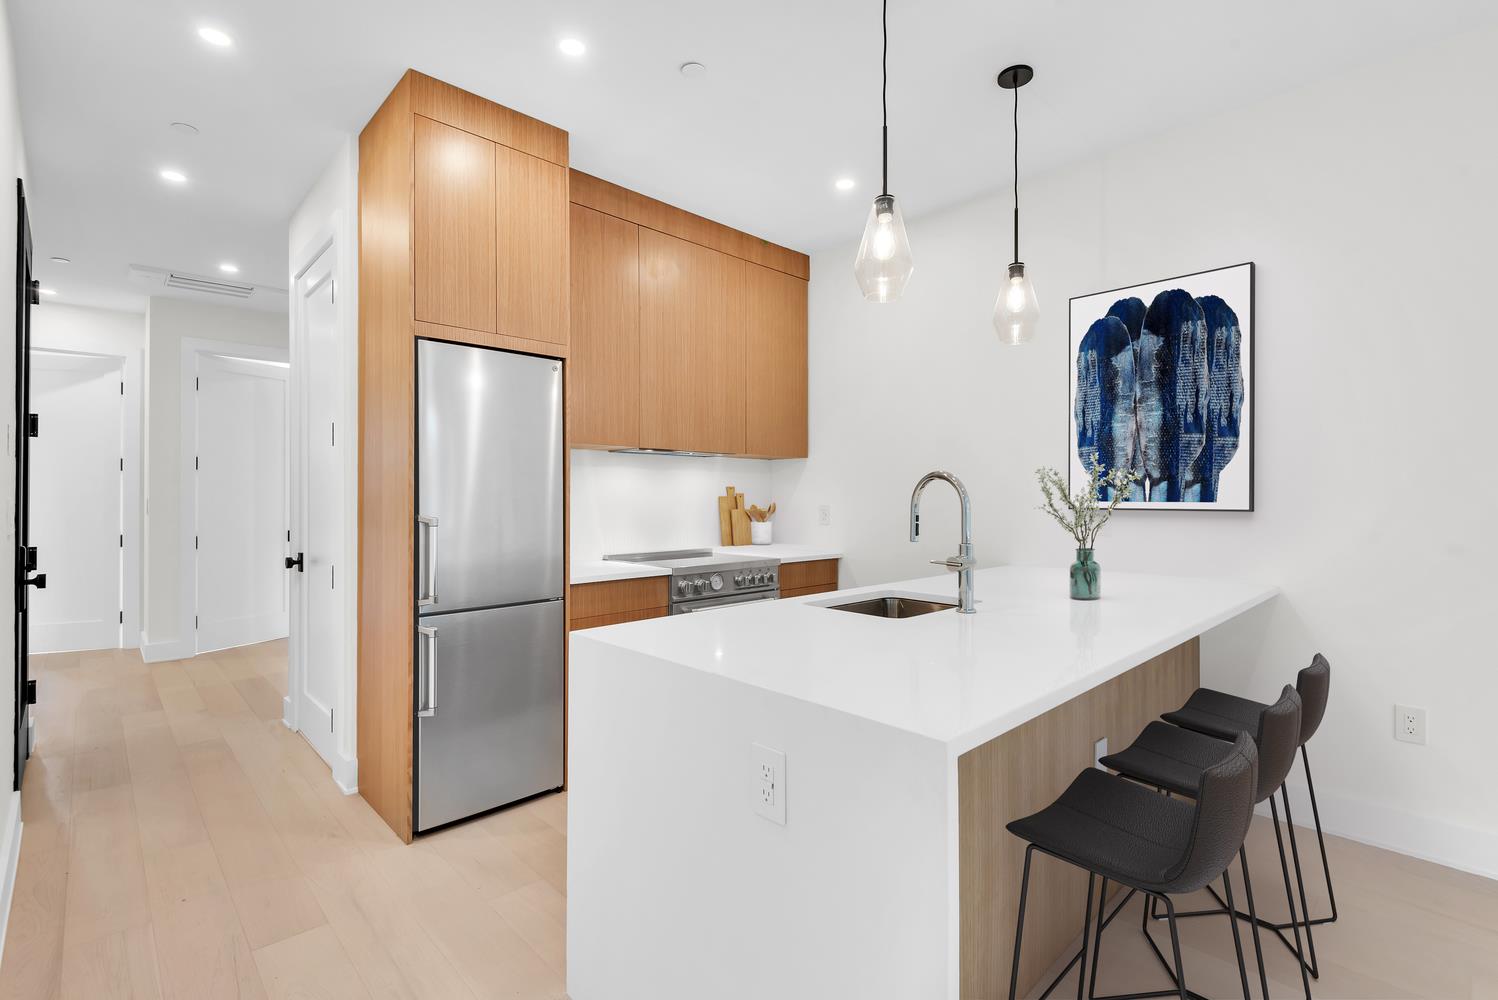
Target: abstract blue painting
<point>1161,384</point>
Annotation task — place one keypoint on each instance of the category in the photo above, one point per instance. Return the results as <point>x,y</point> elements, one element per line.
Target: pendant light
<point>1016,314</point>
<point>884,263</point>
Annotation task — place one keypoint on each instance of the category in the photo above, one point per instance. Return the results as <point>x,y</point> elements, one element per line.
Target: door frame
<point>132,527</point>
<point>192,348</point>
<point>345,765</point>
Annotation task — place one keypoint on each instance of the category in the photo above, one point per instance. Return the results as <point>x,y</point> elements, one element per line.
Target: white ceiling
<point>790,101</point>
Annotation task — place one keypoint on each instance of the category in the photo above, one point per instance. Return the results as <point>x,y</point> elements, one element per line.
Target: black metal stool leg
<point>1227,884</point>
<point>1300,882</point>
<point>1305,978</point>
<point>1326,868</point>
<point>1175,947</point>
<point>1253,918</point>
<point>1086,929</point>
<point>1019,924</point>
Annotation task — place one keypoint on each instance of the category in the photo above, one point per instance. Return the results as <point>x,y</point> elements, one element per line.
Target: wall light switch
<point>1409,724</point>
<point>767,782</point>
<point>824,515</point>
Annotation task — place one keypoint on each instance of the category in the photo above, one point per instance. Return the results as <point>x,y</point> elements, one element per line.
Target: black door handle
<point>295,563</point>
<point>39,581</point>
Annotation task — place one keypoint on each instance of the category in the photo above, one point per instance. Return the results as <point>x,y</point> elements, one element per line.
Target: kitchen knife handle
<point>426,706</point>
<point>427,535</point>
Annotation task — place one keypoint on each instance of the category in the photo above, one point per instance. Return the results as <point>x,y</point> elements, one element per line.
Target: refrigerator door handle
<point>427,533</point>
<point>426,704</point>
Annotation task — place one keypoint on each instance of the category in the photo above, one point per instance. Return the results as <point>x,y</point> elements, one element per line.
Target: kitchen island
<point>908,744</point>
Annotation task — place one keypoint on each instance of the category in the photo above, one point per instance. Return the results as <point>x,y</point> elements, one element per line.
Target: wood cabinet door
<point>775,363</point>
<point>691,346</point>
<point>453,233</point>
<point>530,223</point>
<point>604,364</point>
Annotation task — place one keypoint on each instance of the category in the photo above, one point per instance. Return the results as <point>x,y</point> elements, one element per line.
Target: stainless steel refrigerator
<point>489,580</point>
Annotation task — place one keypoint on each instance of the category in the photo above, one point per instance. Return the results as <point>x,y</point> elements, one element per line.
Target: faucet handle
<point>957,562</point>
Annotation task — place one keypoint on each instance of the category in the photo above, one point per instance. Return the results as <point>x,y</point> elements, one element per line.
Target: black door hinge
<point>31,692</point>
<point>195,462</point>
<point>194,541</point>
<point>30,557</point>
<point>197,384</point>
<point>33,425</point>
<point>122,541</point>
<point>122,464</point>
<point>122,388</point>
<point>122,617</point>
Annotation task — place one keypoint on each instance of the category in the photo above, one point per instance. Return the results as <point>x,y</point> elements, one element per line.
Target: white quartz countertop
<point>958,679</point>
<point>604,570</point>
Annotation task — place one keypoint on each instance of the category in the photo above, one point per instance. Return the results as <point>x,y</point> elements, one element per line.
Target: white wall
<point>640,503</point>
<point>61,327</point>
<point>330,211</point>
<point>12,165</point>
<point>168,322</point>
<point>1369,207</point>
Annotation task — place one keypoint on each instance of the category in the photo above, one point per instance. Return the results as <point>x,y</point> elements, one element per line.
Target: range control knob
<point>716,582</point>
<point>738,579</point>
<point>770,576</point>
<point>683,585</point>
<point>699,583</point>
<point>759,579</point>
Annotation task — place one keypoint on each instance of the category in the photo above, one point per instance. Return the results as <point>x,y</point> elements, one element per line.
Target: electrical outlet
<point>1099,751</point>
<point>768,783</point>
<point>1409,724</point>
<point>824,515</point>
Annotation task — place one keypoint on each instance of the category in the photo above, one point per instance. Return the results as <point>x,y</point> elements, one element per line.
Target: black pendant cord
<point>1016,175</point>
<point>884,101</point>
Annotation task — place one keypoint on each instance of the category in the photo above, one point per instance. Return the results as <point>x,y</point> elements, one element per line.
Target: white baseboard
<point>168,649</point>
<point>346,775</point>
<point>1418,836</point>
<point>10,849</point>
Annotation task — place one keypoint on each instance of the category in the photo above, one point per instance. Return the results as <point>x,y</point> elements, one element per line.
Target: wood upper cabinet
<point>453,231</point>
<point>531,226</point>
<point>605,366</point>
<point>691,346</point>
<point>775,363</point>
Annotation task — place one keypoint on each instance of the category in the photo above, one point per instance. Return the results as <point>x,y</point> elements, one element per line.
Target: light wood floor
<point>180,842</point>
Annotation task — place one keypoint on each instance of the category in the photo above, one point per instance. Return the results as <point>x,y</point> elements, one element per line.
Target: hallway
<point>181,842</point>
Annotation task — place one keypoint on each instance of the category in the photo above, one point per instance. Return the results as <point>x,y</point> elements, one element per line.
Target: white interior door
<point>77,500</point>
<point>242,511</point>
<point>319,644</point>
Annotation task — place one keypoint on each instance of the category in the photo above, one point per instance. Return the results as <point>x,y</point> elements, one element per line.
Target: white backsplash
<point>638,503</point>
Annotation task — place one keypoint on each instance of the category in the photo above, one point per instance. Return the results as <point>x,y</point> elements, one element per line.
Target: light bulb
<point>1016,314</point>
<point>884,263</point>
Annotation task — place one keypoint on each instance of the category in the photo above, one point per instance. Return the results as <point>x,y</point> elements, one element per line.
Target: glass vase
<point>1086,577</point>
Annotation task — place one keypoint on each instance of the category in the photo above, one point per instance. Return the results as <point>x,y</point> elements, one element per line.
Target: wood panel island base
<point>908,745</point>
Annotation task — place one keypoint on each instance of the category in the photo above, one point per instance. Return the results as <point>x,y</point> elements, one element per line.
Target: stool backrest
<point>1224,808</point>
<point>1278,739</point>
<point>1313,683</point>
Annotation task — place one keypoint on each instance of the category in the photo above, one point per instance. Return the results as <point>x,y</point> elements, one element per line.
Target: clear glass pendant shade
<point>1016,314</point>
<point>884,263</point>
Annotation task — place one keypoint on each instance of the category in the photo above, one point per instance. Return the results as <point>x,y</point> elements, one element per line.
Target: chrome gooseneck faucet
<point>963,562</point>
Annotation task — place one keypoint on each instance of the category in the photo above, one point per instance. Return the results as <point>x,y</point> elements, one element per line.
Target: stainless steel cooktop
<point>698,574</point>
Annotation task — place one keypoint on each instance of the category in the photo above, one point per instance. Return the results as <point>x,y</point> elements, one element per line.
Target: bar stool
<point>1117,830</point>
<point>1223,715</point>
<point>1174,760</point>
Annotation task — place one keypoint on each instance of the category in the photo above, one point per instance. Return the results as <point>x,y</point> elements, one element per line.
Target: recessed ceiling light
<point>61,260</point>
<point>844,184</point>
<point>47,291</point>
<point>228,268</point>
<point>174,176</point>
<point>572,46</point>
<point>184,128</point>
<point>215,37</point>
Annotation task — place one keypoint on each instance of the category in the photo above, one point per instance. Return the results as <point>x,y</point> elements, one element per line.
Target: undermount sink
<point>892,606</point>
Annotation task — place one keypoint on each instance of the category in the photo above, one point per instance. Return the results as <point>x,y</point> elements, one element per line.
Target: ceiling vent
<point>159,277</point>
<point>209,286</point>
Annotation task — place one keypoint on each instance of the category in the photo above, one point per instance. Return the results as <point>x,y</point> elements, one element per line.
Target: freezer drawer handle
<point>427,533</point>
<point>426,705</point>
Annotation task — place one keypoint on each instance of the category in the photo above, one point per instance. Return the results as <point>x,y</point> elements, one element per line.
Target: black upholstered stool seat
<point>1170,758</point>
<point>1116,828</point>
<point>1217,714</point>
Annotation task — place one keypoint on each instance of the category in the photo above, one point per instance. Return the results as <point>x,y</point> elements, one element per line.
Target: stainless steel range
<point>701,580</point>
